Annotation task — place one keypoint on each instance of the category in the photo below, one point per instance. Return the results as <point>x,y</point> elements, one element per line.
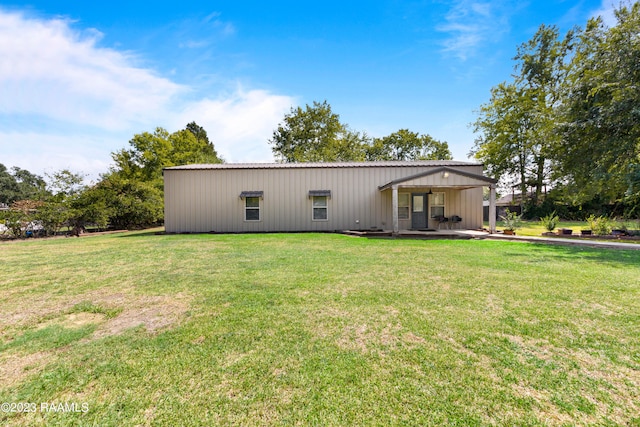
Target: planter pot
<point>565,231</point>
<point>510,232</point>
<point>618,232</point>
<point>585,232</point>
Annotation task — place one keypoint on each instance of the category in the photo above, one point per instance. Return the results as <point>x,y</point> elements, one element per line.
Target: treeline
<point>570,120</point>
<point>129,195</point>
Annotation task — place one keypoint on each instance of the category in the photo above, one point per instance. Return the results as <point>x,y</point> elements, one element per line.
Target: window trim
<point>252,208</point>
<point>314,207</point>
<point>407,207</point>
<point>436,205</point>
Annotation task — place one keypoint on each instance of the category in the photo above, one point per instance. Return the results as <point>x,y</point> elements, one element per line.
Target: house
<point>271,197</point>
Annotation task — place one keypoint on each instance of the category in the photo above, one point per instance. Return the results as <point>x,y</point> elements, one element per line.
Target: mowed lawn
<point>317,329</point>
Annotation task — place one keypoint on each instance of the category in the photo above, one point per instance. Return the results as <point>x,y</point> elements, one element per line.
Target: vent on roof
<point>313,193</point>
<point>246,194</point>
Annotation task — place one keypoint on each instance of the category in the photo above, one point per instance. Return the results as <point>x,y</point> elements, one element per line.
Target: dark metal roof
<point>435,163</point>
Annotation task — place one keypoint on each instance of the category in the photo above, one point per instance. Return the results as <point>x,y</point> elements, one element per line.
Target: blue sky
<point>79,79</point>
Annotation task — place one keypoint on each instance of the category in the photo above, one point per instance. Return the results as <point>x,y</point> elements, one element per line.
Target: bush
<point>600,225</point>
<point>550,222</point>
<point>512,221</point>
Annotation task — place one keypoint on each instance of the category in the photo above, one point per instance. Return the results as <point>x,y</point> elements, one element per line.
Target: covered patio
<point>442,198</point>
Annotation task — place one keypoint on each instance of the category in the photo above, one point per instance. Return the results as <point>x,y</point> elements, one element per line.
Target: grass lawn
<point>317,329</point>
<point>535,228</point>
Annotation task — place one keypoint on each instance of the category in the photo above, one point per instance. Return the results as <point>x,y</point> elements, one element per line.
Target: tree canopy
<point>149,152</point>
<point>601,109</point>
<point>316,134</point>
<point>19,184</point>
<point>570,118</point>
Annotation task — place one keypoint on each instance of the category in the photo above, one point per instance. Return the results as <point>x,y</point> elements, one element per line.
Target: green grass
<point>318,329</point>
<point>535,228</point>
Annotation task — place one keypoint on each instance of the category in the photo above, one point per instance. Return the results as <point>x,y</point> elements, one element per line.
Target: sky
<point>79,79</point>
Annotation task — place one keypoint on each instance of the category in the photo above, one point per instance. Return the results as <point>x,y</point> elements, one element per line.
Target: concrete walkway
<point>567,242</point>
<point>476,234</point>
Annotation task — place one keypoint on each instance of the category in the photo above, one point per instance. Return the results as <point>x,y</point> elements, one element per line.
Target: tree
<point>127,202</point>
<point>503,124</point>
<point>8,186</point>
<point>64,188</point>
<point>543,69</point>
<point>407,145</point>
<point>20,184</point>
<point>132,191</point>
<point>518,126</point>
<point>315,134</point>
<point>600,150</point>
<point>208,150</point>
<point>151,152</point>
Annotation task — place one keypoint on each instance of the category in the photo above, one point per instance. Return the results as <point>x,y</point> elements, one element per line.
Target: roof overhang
<point>442,176</point>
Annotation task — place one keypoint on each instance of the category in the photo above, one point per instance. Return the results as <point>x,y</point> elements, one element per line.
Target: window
<point>403,205</point>
<point>437,205</point>
<point>252,209</point>
<point>252,204</point>
<point>320,208</point>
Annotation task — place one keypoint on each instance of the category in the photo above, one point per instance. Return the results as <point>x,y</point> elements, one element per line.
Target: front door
<point>418,210</point>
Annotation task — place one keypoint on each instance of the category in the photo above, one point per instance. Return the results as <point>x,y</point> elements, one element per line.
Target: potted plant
<point>512,221</point>
<point>549,222</point>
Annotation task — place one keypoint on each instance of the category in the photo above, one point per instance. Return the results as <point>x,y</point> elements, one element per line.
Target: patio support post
<point>394,208</point>
<point>492,208</point>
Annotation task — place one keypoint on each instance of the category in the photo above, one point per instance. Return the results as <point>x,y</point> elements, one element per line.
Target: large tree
<point>133,189</point>
<point>315,134</point>
<point>503,125</point>
<point>150,152</point>
<point>517,127</point>
<point>600,151</point>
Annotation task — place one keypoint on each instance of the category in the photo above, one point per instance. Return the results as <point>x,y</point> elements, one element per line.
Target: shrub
<point>512,221</point>
<point>599,225</point>
<point>550,221</point>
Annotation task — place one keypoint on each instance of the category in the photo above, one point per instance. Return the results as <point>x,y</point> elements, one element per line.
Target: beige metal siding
<point>205,200</point>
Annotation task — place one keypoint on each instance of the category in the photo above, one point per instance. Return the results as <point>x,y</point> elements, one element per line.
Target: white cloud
<point>44,153</point>
<point>239,124</point>
<point>606,12</point>
<point>50,70</point>
<point>470,24</point>
<point>66,102</point>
